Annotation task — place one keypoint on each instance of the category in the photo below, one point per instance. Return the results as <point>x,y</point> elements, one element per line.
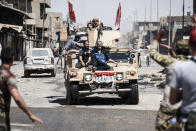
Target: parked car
<point>39,60</point>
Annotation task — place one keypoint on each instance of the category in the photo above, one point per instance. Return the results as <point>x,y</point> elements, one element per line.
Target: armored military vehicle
<point>120,79</point>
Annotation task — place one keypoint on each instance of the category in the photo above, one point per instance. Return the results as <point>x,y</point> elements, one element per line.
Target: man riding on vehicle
<point>100,57</point>
<point>85,55</point>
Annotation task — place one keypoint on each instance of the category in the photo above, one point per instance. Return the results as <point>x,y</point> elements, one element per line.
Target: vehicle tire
<point>53,73</point>
<point>26,74</point>
<point>133,97</point>
<point>124,96</point>
<point>72,94</point>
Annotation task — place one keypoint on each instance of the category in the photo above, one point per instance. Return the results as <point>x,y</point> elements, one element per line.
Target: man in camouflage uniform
<point>8,88</point>
<point>166,112</point>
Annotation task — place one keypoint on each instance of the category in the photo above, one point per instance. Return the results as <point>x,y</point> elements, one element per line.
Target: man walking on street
<point>183,85</point>
<point>8,88</point>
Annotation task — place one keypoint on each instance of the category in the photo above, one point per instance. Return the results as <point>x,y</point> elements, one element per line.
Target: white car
<point>39,60</point>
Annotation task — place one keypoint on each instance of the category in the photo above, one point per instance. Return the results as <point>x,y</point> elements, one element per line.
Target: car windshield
<point>39,53</point>
<point>120,57</point>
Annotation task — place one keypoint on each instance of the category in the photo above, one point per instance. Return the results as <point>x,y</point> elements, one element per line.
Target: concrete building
<point>55,22</point>
<point>12,31</point>
<point>176,21</point>
<point>143,33</point>
<point>31,16</point>
<point>41,23</point>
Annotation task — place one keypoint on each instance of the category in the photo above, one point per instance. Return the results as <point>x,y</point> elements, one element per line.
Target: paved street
<point>120,33</point>
<point>46,98</point>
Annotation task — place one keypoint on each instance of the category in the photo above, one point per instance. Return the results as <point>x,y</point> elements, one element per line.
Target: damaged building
<point>11,28</point>
<point>23,25</point>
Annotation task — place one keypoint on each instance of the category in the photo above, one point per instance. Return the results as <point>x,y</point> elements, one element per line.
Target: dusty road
<point>46,98</point>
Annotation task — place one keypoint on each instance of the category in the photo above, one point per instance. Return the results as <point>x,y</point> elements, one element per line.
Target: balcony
<point>47,3</point>
<point>30,22</point>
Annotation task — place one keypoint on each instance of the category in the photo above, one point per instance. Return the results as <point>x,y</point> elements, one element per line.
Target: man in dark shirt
<point>85,55</point>
<point>8,88</point>
<point>100,57</point>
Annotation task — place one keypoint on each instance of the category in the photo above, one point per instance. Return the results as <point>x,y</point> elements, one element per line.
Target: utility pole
<point>150,10</point>
<point>158,19</point>
<point>44,13</point>
<point>157,10</point>
<point>194,6</point>
<point>25,28</point>
<point>169,40</point>
<point>150,21</point>
<point>183,17</point>
<point>158,13</point>
<point>145,14</point>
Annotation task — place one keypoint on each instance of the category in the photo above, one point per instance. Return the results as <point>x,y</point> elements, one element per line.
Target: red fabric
<point>104,74</point>
<point>192,39</point>
<point>118,17</point>
<point>71,12</point>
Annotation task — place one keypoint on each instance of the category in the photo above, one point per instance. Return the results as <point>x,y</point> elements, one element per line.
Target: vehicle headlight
<point>119,76</point>
<point>88,77</point>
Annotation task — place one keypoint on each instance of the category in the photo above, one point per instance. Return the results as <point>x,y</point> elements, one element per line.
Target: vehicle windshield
<point>39,53</point>
<point>120,57</point>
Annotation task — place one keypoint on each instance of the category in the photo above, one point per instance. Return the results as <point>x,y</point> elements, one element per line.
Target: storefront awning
<point>14,27</point>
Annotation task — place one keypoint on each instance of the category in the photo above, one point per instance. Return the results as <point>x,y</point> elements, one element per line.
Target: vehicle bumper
<point>39,67</point>
<point>104,91</point>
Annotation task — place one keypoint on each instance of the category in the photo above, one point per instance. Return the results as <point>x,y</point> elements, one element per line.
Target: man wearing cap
<point>165,113</point>
<point>85,55</point>
<point>183,85</point>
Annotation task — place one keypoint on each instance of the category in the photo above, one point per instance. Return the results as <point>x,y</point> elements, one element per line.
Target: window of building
<point>42,11</point>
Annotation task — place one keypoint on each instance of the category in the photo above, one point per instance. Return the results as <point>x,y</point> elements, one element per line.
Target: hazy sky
<point>106,10</point>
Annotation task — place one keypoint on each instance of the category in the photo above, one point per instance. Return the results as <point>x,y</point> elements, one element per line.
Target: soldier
<point>183,86</point>
<point>8,88</point>
<point>165,112</point>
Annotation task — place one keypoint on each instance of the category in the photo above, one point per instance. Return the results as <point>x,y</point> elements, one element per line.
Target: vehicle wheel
<point>133,97</point>
<point>26,74</point>
<point>124,96</point>
<point>72,95</point>
<point>66,87</point>
<point>53,73</point>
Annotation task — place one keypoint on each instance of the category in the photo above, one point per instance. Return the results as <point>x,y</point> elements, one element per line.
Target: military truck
<point>120,79</point>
